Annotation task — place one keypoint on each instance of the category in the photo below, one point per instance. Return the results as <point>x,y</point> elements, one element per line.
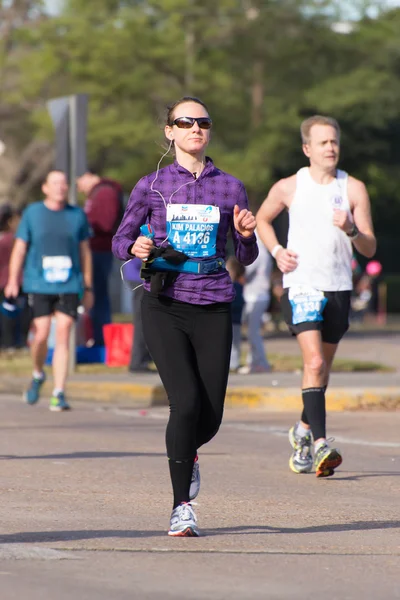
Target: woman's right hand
<point>11,290</point>
<point>142,247</point>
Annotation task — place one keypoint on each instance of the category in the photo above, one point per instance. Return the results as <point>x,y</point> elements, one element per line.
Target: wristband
<point>276,249</point>
<point>88,289</point>
<point>353,233</point>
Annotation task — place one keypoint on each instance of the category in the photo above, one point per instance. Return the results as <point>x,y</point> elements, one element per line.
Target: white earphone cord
<point>165,204</point>
<point>173,193</point>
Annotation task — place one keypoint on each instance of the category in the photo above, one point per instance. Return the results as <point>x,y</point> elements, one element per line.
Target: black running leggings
<point>191,346</point>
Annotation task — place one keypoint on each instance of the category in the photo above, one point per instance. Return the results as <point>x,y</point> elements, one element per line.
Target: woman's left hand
<point>244,221</point>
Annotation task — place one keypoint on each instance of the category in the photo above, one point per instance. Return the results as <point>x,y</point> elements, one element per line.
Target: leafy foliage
<point>261,66</point>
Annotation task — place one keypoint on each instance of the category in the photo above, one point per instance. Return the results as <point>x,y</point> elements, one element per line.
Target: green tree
<point>261,66</point>
<point>16,128</point>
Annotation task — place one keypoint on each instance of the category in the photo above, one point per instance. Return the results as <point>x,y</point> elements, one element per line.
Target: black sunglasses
<point>188,122</point>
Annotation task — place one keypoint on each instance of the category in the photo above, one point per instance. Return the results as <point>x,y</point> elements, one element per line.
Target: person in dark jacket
<point>104,209</point>
<point>237,274</point>
<point>13,327</point>
<point>140,356</point>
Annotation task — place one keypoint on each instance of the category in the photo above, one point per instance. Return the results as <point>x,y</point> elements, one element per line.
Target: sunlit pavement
<point>86,499</point>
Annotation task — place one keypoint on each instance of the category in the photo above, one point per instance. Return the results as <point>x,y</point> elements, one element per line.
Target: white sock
<point>302,431</point>
<point>320,443</point>
<point>57,391</point>
<point>38,374</point>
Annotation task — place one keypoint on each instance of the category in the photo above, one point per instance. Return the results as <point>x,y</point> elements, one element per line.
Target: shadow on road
<point>37,537</point>
<point>365,476</point>
<point>66,536</point>
<point>335,527</point>
<point>74,455</point>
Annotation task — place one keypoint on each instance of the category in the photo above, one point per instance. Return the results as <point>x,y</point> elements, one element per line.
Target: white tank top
<point>324,251</point>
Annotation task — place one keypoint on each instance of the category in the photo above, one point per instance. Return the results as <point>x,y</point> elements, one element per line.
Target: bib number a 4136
<point>193,228</point>
<point>192,239</point>
<point>307,304</point>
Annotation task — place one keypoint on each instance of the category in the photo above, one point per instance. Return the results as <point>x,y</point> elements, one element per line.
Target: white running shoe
<point>195,482</point>
<point>183,521</point>
<point>301,460</point>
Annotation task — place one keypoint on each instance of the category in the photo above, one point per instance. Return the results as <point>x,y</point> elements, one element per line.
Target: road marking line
<point>163,416</point>
<point>284,433</point>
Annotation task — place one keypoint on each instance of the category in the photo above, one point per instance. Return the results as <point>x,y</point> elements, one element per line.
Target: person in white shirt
<point>257,297</point>
<point>329,213</point>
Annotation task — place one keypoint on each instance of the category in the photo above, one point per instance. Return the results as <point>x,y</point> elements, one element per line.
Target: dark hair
<point>171,108</point>
<point>6,213</point>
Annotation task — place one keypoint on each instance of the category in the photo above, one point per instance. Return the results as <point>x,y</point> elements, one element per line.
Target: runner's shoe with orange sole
<point>183,521</point>
<point>326,460</point>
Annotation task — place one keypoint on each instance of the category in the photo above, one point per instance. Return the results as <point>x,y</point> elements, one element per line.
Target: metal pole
<point>59,112</point>
<point>77,142</point>
<point>77,166</point>
<point>69,116</point>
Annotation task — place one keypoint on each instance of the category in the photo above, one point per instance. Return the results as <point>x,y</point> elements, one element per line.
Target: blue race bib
<point>193,228</point>
<point>57,269</point>
<point>307,304</point>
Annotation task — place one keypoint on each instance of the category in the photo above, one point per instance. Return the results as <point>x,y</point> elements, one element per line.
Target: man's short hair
<point>305,127</point>
<point>54,171</point>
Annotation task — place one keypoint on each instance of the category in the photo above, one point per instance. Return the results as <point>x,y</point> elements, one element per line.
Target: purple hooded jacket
<point>212,187</point>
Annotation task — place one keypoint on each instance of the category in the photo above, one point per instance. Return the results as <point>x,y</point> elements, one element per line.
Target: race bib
<point>307,304</point>
<point>56,269</point>
<point>193,228</point>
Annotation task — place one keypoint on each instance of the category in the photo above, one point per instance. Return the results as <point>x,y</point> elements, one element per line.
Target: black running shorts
<point>335,317</point>
<point>44,305</point>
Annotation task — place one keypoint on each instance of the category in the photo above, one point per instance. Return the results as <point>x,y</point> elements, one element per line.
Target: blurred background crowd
<point>261,66</point>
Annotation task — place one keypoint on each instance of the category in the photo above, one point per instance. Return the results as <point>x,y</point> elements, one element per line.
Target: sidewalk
<point>274,391</point>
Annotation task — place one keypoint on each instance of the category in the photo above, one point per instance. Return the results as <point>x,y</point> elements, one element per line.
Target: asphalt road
<point>85,501</point>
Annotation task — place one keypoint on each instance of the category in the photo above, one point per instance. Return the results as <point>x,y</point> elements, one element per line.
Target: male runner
<point>329,213</point>
<point>52,249</point>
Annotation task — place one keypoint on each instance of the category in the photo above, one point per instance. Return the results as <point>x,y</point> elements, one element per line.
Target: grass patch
<point>284,362</point>
<point>20,364</point>
<point>341,365</point>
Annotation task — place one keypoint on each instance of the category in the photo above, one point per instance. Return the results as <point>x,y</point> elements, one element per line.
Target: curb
<point>98,391</point>
<point>270,398</point>
<point>337,399</point>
